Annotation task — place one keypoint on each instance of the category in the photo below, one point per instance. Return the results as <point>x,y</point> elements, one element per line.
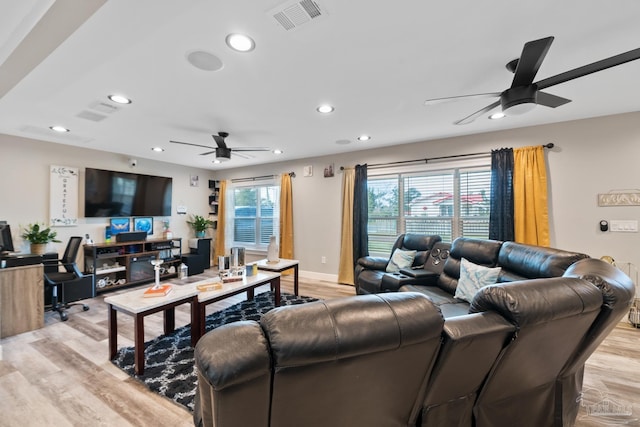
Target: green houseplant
<point>200,224</point>
<point>38,235</point>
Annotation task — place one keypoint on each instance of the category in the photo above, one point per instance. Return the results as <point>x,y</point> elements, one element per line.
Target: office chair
<point>66,285</point>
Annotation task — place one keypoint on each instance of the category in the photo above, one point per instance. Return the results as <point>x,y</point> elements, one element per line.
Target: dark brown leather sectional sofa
<point>418,357</point>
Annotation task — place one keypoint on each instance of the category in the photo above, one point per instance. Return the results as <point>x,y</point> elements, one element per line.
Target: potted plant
<point>200,224</point>
<point>38,235</point>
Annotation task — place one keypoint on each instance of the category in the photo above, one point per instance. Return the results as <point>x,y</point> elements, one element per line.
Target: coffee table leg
<point>139,344</point>
<point>295,280</point>
<point>198,320</point>
<point>113,332</point>
<point>169,320</point>
<point>276,284</point>
<point>250,294</point>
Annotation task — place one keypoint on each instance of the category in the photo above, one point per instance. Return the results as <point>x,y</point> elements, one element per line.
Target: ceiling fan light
<point>518,109</point>
<point>498,115</point>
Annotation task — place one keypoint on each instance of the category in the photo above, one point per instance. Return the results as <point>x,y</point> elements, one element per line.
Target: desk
<point>21,299</point>
<point>279,267</point>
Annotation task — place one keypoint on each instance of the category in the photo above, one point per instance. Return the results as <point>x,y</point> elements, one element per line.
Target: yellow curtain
<point>286,217</point>
<point>218,248</point>
<point>530,204</point>
<point>345,270</point>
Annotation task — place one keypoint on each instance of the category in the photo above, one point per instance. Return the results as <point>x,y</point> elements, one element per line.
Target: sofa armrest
<point>373,263</point>
<point>426,277</point>
<point>391,282</point>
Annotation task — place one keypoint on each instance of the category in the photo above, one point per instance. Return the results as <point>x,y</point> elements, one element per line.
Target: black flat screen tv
<point>121,194</point>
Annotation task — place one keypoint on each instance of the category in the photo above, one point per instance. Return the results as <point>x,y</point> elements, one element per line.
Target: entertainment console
<point>121,264</point>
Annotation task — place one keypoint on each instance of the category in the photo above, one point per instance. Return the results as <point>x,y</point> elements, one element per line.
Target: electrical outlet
<point>324,259</point>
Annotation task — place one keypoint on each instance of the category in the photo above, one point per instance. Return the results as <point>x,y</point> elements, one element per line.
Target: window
<point>449,203</point>
<point>255,215</point>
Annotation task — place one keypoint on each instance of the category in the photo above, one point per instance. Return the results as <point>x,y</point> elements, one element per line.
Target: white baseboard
<point>313,275</point>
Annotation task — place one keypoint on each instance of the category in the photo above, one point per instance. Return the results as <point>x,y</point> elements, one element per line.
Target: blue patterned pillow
<point>400,259</point>
<point>474,277</point>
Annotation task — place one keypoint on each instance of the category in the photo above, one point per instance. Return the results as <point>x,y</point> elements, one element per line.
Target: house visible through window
<point>255,215</point>
<point>448,203</point>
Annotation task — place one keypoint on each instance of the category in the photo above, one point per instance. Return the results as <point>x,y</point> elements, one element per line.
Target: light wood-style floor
<point>59,375</point>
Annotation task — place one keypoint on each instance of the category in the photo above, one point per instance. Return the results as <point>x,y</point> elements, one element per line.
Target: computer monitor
<point>6,241</point>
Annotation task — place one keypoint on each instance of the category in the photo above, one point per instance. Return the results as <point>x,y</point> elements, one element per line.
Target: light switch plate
<point>623,226</point>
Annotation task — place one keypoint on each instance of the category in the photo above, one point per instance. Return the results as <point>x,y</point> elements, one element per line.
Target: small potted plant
<point>200,225</point>
<point>39,235</point>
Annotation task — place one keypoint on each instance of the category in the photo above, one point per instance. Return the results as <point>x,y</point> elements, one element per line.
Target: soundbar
<point>131,236</point>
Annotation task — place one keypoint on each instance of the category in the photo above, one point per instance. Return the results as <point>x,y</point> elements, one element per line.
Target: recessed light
<point>364,138</point>
<point>158,149</point>
<point>120,99</point>
<point>496,116</point>
<point>240,42</point>
<point>325,109</point>
<point>60,129</point>
<point>276,151</point>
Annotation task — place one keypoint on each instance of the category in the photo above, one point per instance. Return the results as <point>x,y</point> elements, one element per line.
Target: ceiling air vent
<point>292,15</point>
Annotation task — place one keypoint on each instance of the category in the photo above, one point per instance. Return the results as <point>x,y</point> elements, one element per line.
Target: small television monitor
<point>6,241</point>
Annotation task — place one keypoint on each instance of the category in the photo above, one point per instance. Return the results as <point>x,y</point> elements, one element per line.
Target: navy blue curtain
<point>360,214</point>
<point>501,223</point>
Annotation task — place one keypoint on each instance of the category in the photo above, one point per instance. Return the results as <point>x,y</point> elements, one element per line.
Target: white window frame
<point>231,218</point>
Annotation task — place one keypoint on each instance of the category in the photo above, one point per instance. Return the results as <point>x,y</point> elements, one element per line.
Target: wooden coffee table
<point>136,305</point>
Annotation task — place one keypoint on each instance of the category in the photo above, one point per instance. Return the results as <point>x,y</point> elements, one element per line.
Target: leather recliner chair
<point>370,271</point>
<point>552,317</point>
<point>321,364</point>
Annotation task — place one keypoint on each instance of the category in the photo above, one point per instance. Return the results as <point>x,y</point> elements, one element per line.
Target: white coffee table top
<point>135,302</point>
<point>282,264</point>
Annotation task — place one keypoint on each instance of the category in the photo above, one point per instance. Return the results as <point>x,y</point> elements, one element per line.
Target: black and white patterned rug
<point>169,365</point>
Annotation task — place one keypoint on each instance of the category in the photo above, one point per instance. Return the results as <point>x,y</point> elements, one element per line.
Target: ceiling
<point>376,62</point>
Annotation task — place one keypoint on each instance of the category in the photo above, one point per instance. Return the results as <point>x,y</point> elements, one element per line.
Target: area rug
<point>169,365</point>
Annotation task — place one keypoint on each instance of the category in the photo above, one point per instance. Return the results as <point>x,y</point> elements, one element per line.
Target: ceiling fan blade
<point>550,100</point>
<point>251,149</point>
<point>477,114</point>
<point>436,101</point>
<point>234,153</point>
<point>207,153</point>
<point>193,145</point>
<point>219,139</point>
<point>533,54</point>
<point>594,67</point>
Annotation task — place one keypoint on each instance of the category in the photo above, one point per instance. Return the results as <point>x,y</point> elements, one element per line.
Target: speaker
<point>131,236</point>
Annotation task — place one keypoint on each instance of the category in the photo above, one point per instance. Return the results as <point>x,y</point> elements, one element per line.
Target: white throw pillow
<point>400,259</point>
<point>473,277</point>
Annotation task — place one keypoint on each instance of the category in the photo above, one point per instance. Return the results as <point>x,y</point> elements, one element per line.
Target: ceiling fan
<point>222,152</point>
<point>523,94</point>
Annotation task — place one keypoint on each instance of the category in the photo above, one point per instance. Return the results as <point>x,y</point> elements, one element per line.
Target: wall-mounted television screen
<point>111,193</point>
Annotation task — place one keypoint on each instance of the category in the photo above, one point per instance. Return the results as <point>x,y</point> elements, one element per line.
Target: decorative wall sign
<point>627,198</point>
<point>63,197</point>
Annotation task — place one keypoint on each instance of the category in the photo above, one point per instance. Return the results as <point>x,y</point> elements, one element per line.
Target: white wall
<point>24,191</point>
<point>591,156</point>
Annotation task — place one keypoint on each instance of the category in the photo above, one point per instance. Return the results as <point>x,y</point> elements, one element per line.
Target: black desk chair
<point>67,285</point>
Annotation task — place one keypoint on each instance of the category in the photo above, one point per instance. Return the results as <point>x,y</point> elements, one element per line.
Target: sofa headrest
<point>535,301</point>
<point>533,262</point>
<point>419,242</point>
<point>345,327</point>
<point>616,287</point>
<point>482,252</point>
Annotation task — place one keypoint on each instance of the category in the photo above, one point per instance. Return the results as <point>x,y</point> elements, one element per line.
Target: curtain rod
<point>429,159</point>
<point>256,178</point>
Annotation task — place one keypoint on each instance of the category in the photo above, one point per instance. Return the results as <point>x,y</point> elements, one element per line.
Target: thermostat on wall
<point>181,210</point>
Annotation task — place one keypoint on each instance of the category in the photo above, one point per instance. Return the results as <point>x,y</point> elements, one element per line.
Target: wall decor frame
<point>63,196</point>
<point>620,198</point>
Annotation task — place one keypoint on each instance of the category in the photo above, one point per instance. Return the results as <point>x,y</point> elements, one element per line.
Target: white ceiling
<point>375,61</point>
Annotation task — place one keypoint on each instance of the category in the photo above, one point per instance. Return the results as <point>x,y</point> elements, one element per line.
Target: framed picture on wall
<point>143,223</point>
<point>119,225</point>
